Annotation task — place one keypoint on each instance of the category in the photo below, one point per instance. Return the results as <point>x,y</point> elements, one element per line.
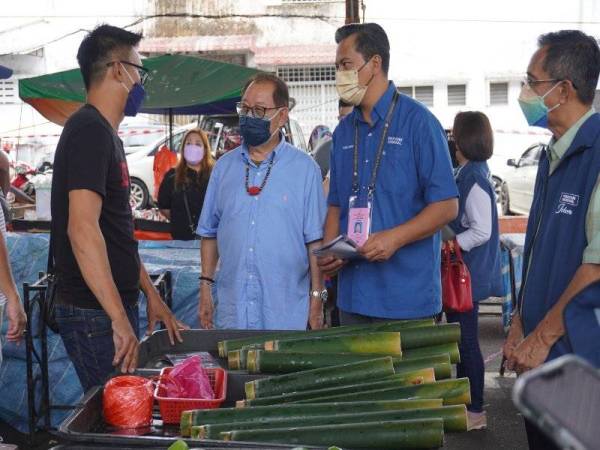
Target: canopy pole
<point>171,129</point>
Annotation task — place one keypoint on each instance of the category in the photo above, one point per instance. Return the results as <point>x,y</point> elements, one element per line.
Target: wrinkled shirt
<point>263,279</point>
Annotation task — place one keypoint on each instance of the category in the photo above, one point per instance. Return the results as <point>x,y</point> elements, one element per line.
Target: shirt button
<point>257,173</point>
<point>252,223</point>
<point>250,276</point>
<point>256,198</point>
<point>251,249</point>
<point>366,161</point>
<point>369,135</point>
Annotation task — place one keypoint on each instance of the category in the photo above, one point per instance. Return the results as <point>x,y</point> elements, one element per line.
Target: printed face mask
<point>135,96</point>
<point>533,107</point>
<point>256,131</point>
<point>348,86</point>
<point>193,154</point>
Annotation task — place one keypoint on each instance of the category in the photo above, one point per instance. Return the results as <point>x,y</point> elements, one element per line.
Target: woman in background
<point>476,230</point>
<point>182,191</point>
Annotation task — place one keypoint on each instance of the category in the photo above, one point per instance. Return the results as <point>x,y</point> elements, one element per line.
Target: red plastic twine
<point>127,402</point>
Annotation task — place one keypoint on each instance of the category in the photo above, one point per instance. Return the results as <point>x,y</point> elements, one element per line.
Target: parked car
<point>139,134</point>
<point>515,188</point>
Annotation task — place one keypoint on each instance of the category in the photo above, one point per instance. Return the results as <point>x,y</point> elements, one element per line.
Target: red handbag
<point>456,280</point>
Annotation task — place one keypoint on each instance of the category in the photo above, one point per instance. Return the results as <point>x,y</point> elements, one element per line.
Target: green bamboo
<point>316,378</point>
<point>406,379</point>
<point>381,342</point>
<point>267,413</point>
<point>421,352</point>
<point>454,417</point>
<point>452,392</point>
<point>234,344</point>
<point>428,336</point>
<point>415,434</point>
<point>260,361</point>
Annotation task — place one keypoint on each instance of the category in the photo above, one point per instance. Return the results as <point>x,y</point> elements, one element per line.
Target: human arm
<point>209,256</point>
<point>315,317</point>
<point>533,351</point>
<point>89,248</point>
<point>478,216</point>
<point>382,245</point>
<point>165,193</point>
<point>157,310</point>
<point>14,309</point>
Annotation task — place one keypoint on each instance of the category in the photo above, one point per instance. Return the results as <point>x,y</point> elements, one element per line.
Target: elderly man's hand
<point>530,353</point>
<point>380,246</point>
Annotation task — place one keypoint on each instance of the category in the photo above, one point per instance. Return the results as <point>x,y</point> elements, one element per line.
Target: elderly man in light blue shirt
<point>263,215</point>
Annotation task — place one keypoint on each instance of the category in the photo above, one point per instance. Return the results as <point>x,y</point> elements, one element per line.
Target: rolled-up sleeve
<point>314,206</point>
<point>434,166</point>
<point>210,216</point>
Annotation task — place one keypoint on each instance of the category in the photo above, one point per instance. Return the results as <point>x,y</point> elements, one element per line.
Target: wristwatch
<point>321,295</point>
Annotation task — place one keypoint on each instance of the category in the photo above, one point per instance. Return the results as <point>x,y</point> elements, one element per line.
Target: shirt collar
<point>558,148</point>
<point>382,105</point>
<point>278,149</point>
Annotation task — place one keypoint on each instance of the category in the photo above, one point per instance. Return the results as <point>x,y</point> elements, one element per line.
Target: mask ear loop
<point>550,90</point>
<point>128,76</point>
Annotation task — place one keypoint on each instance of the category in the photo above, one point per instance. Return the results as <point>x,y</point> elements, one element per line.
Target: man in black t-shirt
<point>96,256</point>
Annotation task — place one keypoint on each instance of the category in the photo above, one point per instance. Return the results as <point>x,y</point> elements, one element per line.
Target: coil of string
<point>127,401</point>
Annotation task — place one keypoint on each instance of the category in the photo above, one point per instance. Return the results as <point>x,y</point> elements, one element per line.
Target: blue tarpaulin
<point>28,255</point>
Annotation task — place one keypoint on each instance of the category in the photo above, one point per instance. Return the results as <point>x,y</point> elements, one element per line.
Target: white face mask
<point>348,87</point>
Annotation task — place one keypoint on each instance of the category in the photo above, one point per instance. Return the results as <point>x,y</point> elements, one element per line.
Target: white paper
<point>341,247</point>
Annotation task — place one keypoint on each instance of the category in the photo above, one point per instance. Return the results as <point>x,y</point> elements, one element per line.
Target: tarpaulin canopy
<point>178,85</point>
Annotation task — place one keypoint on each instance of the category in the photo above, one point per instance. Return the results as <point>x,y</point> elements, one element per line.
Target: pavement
<point>505,424</point>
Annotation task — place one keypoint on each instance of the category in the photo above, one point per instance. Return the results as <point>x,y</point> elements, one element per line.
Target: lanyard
<point>386,125</point>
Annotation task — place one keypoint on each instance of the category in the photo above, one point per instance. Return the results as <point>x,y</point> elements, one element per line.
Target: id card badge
<point>359,220</point>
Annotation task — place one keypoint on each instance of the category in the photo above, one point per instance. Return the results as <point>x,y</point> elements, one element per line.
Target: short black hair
<point>281,95</point>
<point>575,56</point>
<point>371,40</point>
<point>473,135</point>
<point>99,46</point>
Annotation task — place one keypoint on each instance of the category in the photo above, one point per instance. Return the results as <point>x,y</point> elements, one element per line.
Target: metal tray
<point>85,425</point>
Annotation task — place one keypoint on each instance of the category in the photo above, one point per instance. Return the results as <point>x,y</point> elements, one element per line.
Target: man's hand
<point>206,307</point>
<point>530,353</point>
<point>330,265</point>
<point>514,338</point>
<point>315,317</point>
<point>380,246</point>
<point>17,320</point>
<point>126,345</point>
<point>158,311</point>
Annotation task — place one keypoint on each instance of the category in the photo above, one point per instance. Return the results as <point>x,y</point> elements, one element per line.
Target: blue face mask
<point>533,107</point>
<point>255,131</point>
<point>135,97</point>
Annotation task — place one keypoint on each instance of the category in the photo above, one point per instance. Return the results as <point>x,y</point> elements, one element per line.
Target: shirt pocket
<point>396,172</point>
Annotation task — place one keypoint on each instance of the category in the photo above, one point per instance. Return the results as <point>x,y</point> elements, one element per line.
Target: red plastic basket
<point>171,408</point>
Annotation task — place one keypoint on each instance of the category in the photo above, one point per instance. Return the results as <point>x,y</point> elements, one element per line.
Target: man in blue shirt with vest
<point>391,188</point>
<point>561,264</point>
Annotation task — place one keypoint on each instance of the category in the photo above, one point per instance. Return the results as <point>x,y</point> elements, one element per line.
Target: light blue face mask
<point>533,106</point>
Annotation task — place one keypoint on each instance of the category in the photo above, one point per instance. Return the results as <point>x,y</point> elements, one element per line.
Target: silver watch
<point>321,295</point>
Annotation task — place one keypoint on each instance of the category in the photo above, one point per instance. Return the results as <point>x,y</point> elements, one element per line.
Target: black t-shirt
<point>90,156</point>
<point>173,199</point>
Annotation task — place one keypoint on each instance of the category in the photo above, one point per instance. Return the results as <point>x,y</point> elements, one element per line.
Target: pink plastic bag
<point>188,379</point>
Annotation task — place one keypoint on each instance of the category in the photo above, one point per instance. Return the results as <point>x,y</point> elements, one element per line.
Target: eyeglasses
<point>530,82</point>
<point>256,111</point>
<point>142,71</point>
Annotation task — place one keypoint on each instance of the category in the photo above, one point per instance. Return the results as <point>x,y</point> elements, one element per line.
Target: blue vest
<point>556,237</point>
<point>582,324</point>
<point>482,261</point>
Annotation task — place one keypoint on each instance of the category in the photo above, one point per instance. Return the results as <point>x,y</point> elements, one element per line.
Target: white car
<point>515,188</point>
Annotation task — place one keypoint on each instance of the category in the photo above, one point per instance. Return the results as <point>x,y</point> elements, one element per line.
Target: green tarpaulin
<point>179,84</point>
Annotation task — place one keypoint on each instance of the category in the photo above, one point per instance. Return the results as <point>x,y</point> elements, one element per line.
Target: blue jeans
<point>88,338</point>
<point>471,359</point>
